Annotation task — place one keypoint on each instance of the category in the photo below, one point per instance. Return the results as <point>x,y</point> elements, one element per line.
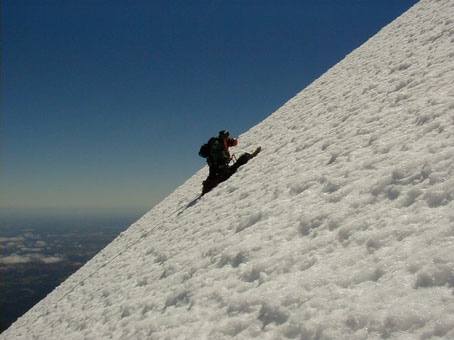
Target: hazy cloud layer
<point>27,248</point>
<point>28,258</point>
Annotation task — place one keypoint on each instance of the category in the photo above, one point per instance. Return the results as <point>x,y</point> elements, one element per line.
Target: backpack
<point>205,149</point>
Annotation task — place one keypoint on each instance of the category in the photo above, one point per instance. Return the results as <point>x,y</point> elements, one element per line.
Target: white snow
<point>342,228</point>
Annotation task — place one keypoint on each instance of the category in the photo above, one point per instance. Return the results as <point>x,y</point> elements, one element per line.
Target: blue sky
<point>105,103</point>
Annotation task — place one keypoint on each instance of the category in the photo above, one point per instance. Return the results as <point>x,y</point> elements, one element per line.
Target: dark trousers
<point>219,174</point>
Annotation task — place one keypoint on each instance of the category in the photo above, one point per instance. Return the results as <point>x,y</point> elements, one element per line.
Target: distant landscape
<point>39,254</point>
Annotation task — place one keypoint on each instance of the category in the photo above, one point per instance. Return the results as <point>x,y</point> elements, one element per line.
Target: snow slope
<point>342,228</point>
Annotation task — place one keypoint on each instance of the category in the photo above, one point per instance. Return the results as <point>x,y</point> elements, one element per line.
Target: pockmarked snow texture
<point>342,227</point>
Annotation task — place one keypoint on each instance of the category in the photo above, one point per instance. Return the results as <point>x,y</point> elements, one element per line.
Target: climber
<point>218,157</point>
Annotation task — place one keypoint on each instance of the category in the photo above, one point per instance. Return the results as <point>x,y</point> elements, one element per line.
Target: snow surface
<point>342,228</point>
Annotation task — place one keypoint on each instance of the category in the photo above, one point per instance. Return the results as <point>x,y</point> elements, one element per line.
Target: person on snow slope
<point>218,157</point>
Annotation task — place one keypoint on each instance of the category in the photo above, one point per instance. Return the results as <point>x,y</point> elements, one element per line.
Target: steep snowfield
<point>342,228</point>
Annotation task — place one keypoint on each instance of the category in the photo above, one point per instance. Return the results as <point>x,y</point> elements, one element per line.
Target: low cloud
<point>12,239</point>
<point>27,248</point>
<point>52,259</point>
<point>29,258</point>
<point>15,259</point>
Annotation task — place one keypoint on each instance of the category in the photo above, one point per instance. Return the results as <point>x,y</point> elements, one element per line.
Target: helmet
<point>224,134</point>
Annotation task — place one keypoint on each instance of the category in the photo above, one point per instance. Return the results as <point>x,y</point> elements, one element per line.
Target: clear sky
<point>105,103</point>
